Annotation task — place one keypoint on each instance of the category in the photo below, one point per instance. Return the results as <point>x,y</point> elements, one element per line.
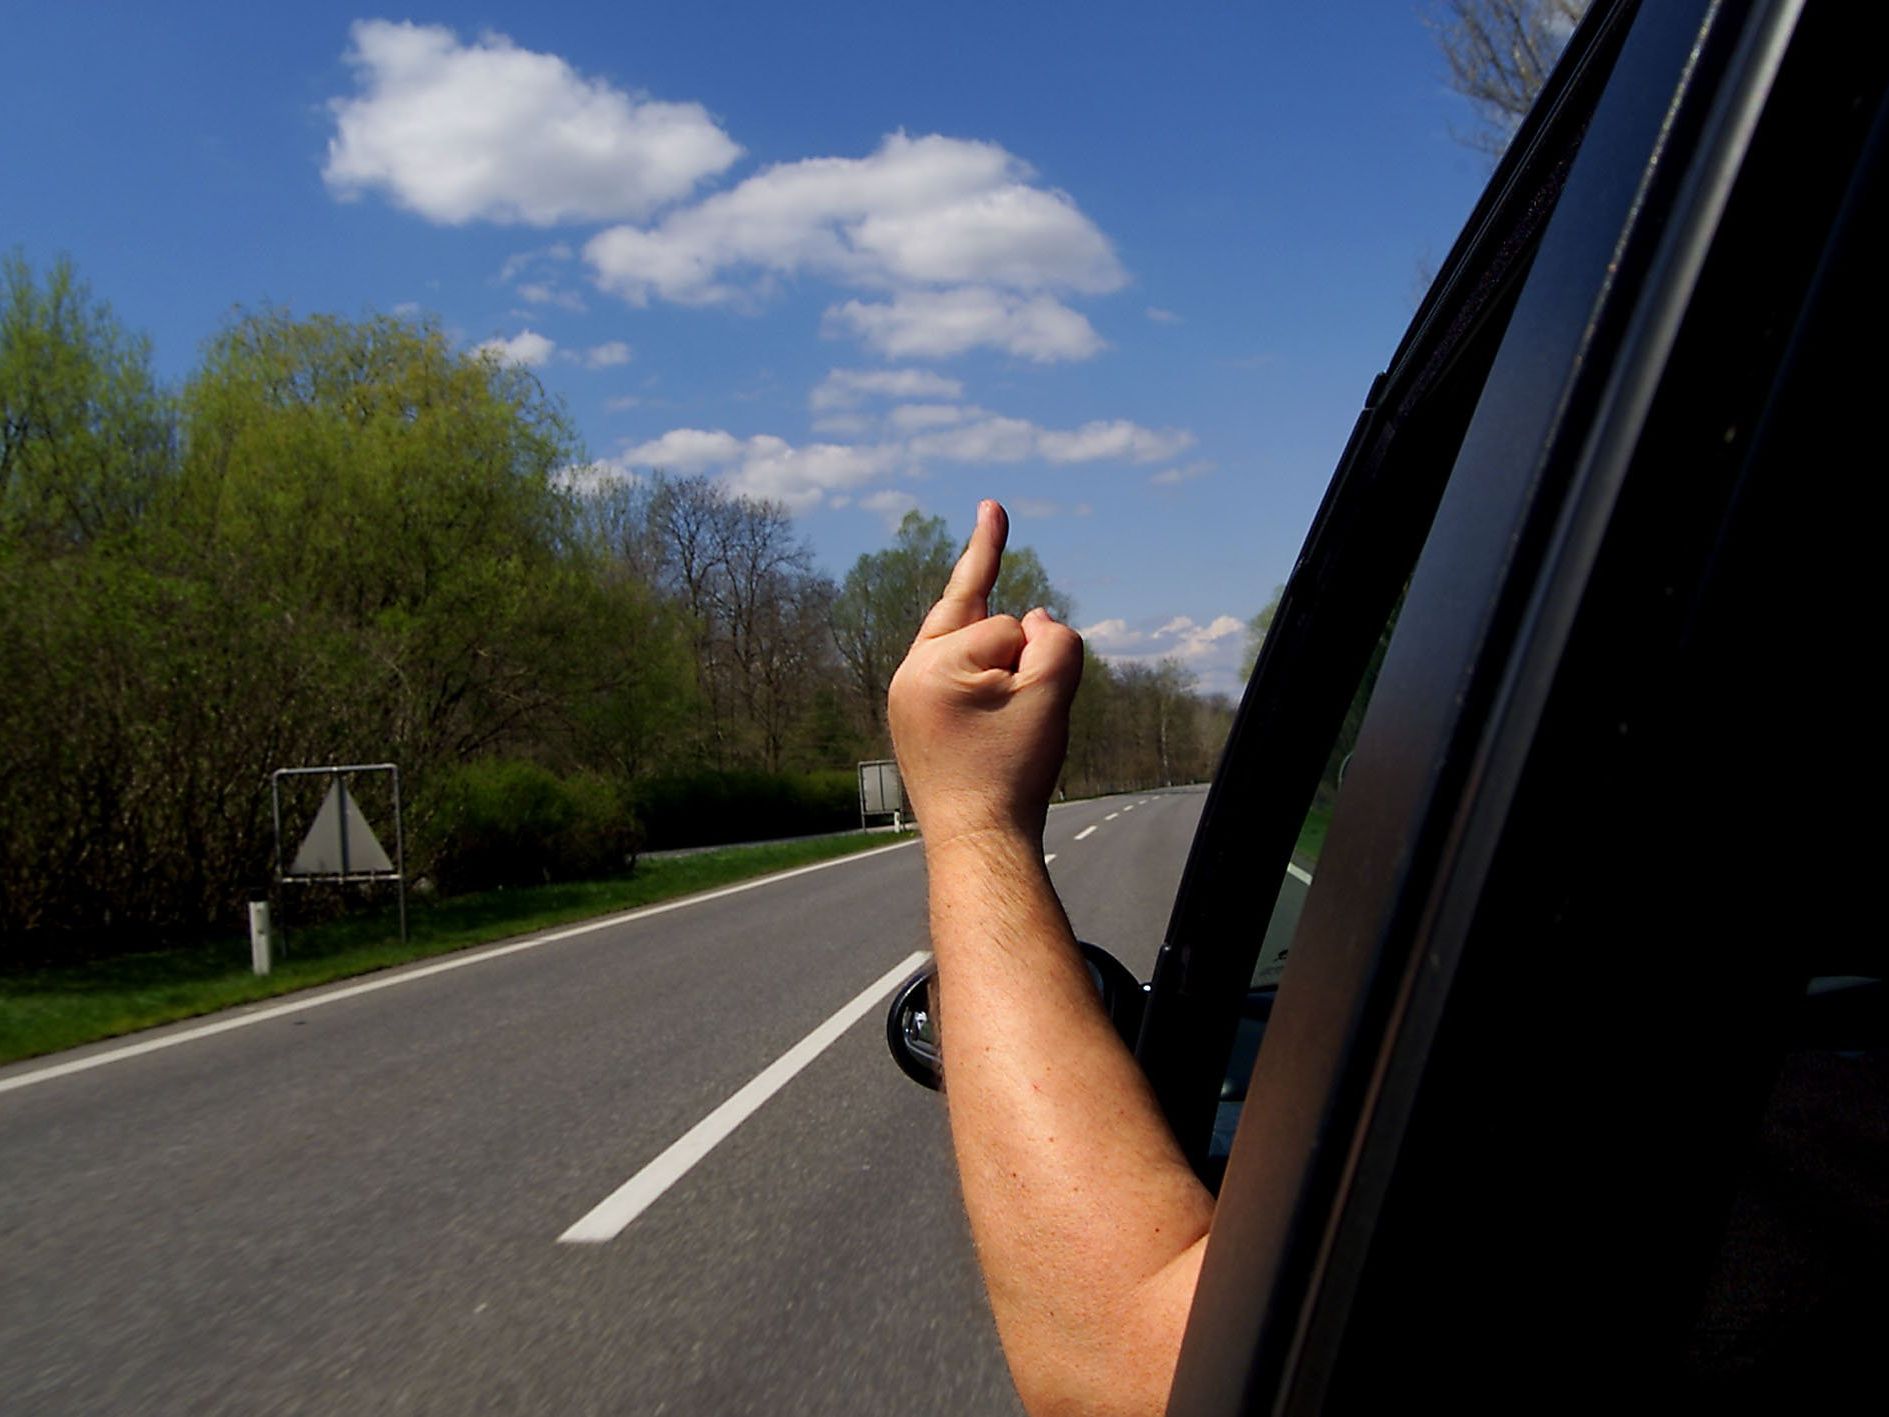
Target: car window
<point>1284,919</point>
<point>1282,922</point>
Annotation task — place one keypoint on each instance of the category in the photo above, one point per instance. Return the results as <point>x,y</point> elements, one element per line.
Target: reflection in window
<point>1283,923</point>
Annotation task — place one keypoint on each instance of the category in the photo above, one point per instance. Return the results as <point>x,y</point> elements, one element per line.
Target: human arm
<point>1088,1222</point>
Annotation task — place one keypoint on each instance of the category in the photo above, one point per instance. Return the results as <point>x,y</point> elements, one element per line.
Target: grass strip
<point>46,1010</point>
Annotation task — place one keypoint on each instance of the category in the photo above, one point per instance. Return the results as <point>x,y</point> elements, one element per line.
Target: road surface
<point>353,1200</point>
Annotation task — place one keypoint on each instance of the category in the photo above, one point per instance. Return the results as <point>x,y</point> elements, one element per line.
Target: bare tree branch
<point>1499,54</point>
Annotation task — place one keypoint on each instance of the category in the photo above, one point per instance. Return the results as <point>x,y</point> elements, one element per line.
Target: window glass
<point>1283,923</point>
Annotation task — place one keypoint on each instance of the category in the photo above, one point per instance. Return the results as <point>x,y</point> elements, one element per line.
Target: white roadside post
<point>259,936</point>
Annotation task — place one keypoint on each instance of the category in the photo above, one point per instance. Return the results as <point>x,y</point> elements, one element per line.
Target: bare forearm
<point>1087,1219</point>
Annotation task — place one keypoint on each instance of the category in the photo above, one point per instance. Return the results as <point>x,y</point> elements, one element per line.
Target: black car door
<point>1544,972</point>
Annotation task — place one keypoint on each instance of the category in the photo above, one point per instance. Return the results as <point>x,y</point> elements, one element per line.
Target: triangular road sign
<point>340,843</point>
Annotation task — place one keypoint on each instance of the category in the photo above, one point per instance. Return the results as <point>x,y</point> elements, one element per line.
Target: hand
<point>979,710</point>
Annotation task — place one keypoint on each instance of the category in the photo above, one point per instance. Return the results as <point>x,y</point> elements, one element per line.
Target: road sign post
<point>881,793</point>
<point>340,846</point>
<point>259,961</point>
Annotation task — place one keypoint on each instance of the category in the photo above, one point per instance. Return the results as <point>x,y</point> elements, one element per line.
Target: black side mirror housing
<point>911,1024</point>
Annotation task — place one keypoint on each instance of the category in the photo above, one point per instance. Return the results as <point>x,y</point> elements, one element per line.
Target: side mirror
<point>911,1024</point>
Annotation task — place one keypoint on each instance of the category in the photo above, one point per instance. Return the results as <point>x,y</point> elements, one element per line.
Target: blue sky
<point>1128,267</point>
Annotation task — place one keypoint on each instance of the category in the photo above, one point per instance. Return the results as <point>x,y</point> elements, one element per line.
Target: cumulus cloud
<point>1185,472</point>
<point>994,439</point>
<point>846,425</point>
<point>848,388</point>
<point>540,293</point>
<point>890,504</point>
<point>765,466</point>
<point>527,347</point>
<point>1211,650</point>
<point>927,211</point>
<point>607,355</point>
<point>488,131</point>
<point>912,417</point>
<point>1115,440</point>
<point>939,324</point>
<point>589,478</point>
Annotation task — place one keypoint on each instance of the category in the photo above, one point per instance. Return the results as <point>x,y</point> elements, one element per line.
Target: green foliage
<point>1257,629</point>
<point>708,808</point>
<point>61,1006</point>
<point>86,438</point>
<point>348,541</point>
<point>1023,585</point>
<point>501,822</point>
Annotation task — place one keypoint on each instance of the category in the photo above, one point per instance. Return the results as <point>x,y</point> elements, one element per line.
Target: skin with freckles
<point>1088,1222</point>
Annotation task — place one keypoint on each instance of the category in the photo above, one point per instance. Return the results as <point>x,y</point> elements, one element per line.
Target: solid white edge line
<point>610,1216</point>
<point>1086,831</point>
<point>457,961</point>
<point>1297,874</point>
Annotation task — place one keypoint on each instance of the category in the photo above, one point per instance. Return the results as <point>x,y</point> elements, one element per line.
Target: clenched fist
<point>980,708</point>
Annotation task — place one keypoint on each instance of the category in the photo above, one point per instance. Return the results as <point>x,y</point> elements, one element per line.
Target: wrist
<point>984,847</point>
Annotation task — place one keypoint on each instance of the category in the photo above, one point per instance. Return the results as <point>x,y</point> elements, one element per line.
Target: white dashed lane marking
<point>1085,832</point>
<point>1049,858</point>
<point>1111,816</point>
<point>606,1220</point>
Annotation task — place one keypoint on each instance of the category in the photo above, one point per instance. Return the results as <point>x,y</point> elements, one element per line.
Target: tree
<point>86,436</point>
<point>1499,54</point>
<point>881,604</point>
<point>1257,629</point>
<point>745,579</point>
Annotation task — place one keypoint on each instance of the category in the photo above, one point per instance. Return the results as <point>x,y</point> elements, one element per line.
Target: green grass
<point>45,1010</point>
<point>1312,836</point>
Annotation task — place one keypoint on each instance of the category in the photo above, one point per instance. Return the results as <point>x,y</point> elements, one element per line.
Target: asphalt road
<point>356,1205</point>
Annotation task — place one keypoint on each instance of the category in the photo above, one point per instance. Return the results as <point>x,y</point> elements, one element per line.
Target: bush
<point>709,808</point>
<point>500,822</point>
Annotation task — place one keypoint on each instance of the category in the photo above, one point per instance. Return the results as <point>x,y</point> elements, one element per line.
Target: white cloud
<point>988,440</point>
<point>591,477</point>
<point>1212,648</point>
<point>996,439</point>
<point>848,388</point>
<point>846,425</point>
<point>607,355</point>
<point>890,504</point>
<point>913,417</point>
<point>488,131</point>
<point>622,403</point>
<point>1163,317</point>
<point>1032,508</point>
<point>686,450</point>
<point>1109,636</point>
<point>766,466</point>
<point>926,211</point>
<point>938,324</point>
<point>527,347</point>
<point>520,262</point>
<point>539,293</point>
<point>1186,472</point>
<point>1116,440</point>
